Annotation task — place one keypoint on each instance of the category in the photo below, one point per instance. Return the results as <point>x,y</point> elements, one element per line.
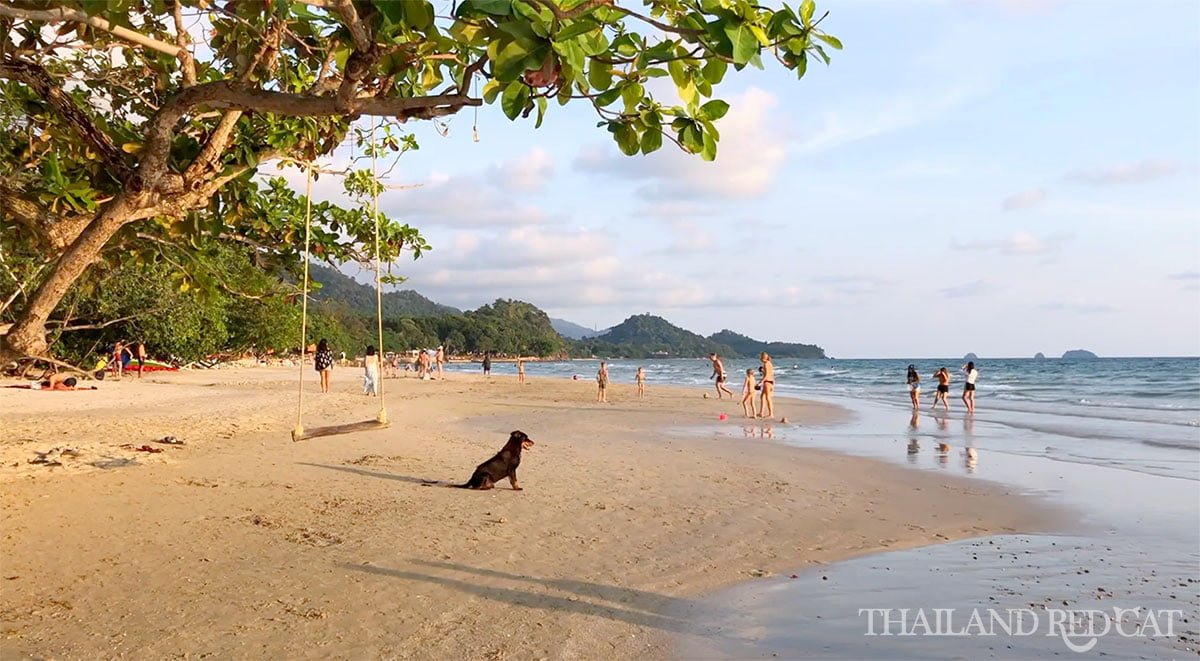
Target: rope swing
<point>381,419</point>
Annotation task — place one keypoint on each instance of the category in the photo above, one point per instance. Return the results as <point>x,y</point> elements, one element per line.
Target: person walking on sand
<point>440,360</point>
<point>371,373</point>
<point>640,379</point>
<point>423,364</point>
<point>139,352</point>
<point>968,396</point>
<point>487,364</point>
<point>943,388</point>
<point>913,380</point>
<point>748,388</point>
<point>602,383</point>
<point>323,363</point>
<point>520,369</point>
<point>766,407</point>
<point>719,374</point>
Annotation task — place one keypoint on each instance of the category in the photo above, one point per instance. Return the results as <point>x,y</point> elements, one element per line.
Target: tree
<point>130,125</point>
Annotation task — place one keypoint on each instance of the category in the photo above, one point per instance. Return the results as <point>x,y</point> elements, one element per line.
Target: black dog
<point>503,465</point>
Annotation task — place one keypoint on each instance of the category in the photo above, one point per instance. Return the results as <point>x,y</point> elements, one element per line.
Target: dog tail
<point>466,485</point>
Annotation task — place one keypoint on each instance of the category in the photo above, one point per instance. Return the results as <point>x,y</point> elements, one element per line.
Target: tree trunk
<point>27,337</point>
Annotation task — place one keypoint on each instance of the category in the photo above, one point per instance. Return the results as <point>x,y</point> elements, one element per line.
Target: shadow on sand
<point>377,474</point>
<point>636,607</point>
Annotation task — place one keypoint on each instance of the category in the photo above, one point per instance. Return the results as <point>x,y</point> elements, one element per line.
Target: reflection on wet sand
<point>943,449</point>
<point>765,431</point>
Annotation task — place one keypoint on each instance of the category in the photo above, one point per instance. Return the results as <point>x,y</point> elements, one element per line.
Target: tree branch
<point>358,30</point>
<point>63,328</point>
<point>64,14</point>
<point>39,80</point>
<point>183,40</point>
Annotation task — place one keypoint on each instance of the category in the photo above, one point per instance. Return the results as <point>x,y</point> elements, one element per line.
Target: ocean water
<point>1137,413</point>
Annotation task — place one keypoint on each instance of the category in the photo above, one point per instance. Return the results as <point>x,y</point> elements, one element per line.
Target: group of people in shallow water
<point>913,381</point>
<point>765,386</point>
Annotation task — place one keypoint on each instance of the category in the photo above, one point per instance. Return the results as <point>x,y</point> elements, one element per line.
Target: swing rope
<point>298,432</point>
<point>382,417</point>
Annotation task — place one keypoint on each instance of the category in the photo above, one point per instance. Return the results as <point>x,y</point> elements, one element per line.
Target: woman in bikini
<point>640,378</point>
<point>913,381</point>
<point>766,407</point>
<point>602,383</point>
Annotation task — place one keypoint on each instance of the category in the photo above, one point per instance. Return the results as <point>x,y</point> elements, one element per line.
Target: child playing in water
<point>641,382</point>
<point>748,388</point>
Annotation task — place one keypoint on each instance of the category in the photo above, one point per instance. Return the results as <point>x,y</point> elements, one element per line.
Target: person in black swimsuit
<point>323,363</point>
<point>487,363</point>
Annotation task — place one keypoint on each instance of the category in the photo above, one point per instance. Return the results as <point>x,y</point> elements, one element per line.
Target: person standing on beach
<point>602,383</point>
<point>943,388</point>
<point>121,353</point>
<point>640,379</point>
<point>323,363</point>
<point>520,369</point>
<point>766,407</point>
<point>719,374</point>
<point>423,364</point>
<point>913,380</point>
<point>139,352</point>
<point>968,396</point>
<point>371,373</point>
<point>487,364</point>
<point>440,359</point>
<point>748,388</point>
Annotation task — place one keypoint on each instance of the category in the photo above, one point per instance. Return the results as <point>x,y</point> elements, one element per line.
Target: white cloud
<point>1127,173</point>
<point>1017,243</point>
<point>1077,306</point>
<point>469,200</point>
<point>968,290</point>
<point>880,116</point>
<point>530,172</point>
<point>1024,200</point>
<point>749,156</point>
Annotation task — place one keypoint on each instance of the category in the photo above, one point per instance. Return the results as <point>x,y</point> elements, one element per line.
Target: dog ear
<point>517,434</point>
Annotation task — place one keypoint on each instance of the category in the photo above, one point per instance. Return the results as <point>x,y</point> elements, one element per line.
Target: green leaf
<point>513,101</point>
<point>687,93</point>
<point>607,98</point>
<point>678,73</point>
<point>691,138</point>
<point>490,90</point>
<point>714,70</point>
<point>759,34</point>
<point>632,95</point>
<point>511,61</point>
<point>744,44</point>
<point>575,29</point>
<point>709,151</point>
<point>493,7</point>
<point>806,12</point>
<point>833,41</point>
<point>712,111</point>
<point>654,72</point>
<point>541,111</point>
<point>599,75</point>
<point>627,139</point>
<point>651,140</point>
<point>801,65</point>
<point>393,12</point>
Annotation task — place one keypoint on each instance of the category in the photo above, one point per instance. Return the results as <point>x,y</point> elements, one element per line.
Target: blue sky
<point>995,176</point>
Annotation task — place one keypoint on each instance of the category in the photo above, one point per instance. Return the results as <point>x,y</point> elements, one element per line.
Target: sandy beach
<point>241,543</point>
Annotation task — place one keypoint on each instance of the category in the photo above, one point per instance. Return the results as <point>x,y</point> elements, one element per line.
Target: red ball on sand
<point>722,416</point>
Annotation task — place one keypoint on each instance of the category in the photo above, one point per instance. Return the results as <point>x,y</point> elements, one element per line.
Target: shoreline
<point>242,542</point>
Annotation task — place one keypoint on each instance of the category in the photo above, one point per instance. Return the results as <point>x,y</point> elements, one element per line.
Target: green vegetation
<point>749,348</point>
<point>125,145</point>
<point>648,336</point>
<point>336,286</point>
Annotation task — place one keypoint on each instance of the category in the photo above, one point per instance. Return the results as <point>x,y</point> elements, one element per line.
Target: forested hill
<point>645,336</point>
<point>750,347</point>
<point>337,286</point>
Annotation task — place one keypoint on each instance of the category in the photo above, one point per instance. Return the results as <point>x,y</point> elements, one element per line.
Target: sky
<point>1000,177</point>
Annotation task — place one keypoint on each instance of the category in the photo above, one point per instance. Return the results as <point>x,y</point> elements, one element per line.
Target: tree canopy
<point>133,129</point>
